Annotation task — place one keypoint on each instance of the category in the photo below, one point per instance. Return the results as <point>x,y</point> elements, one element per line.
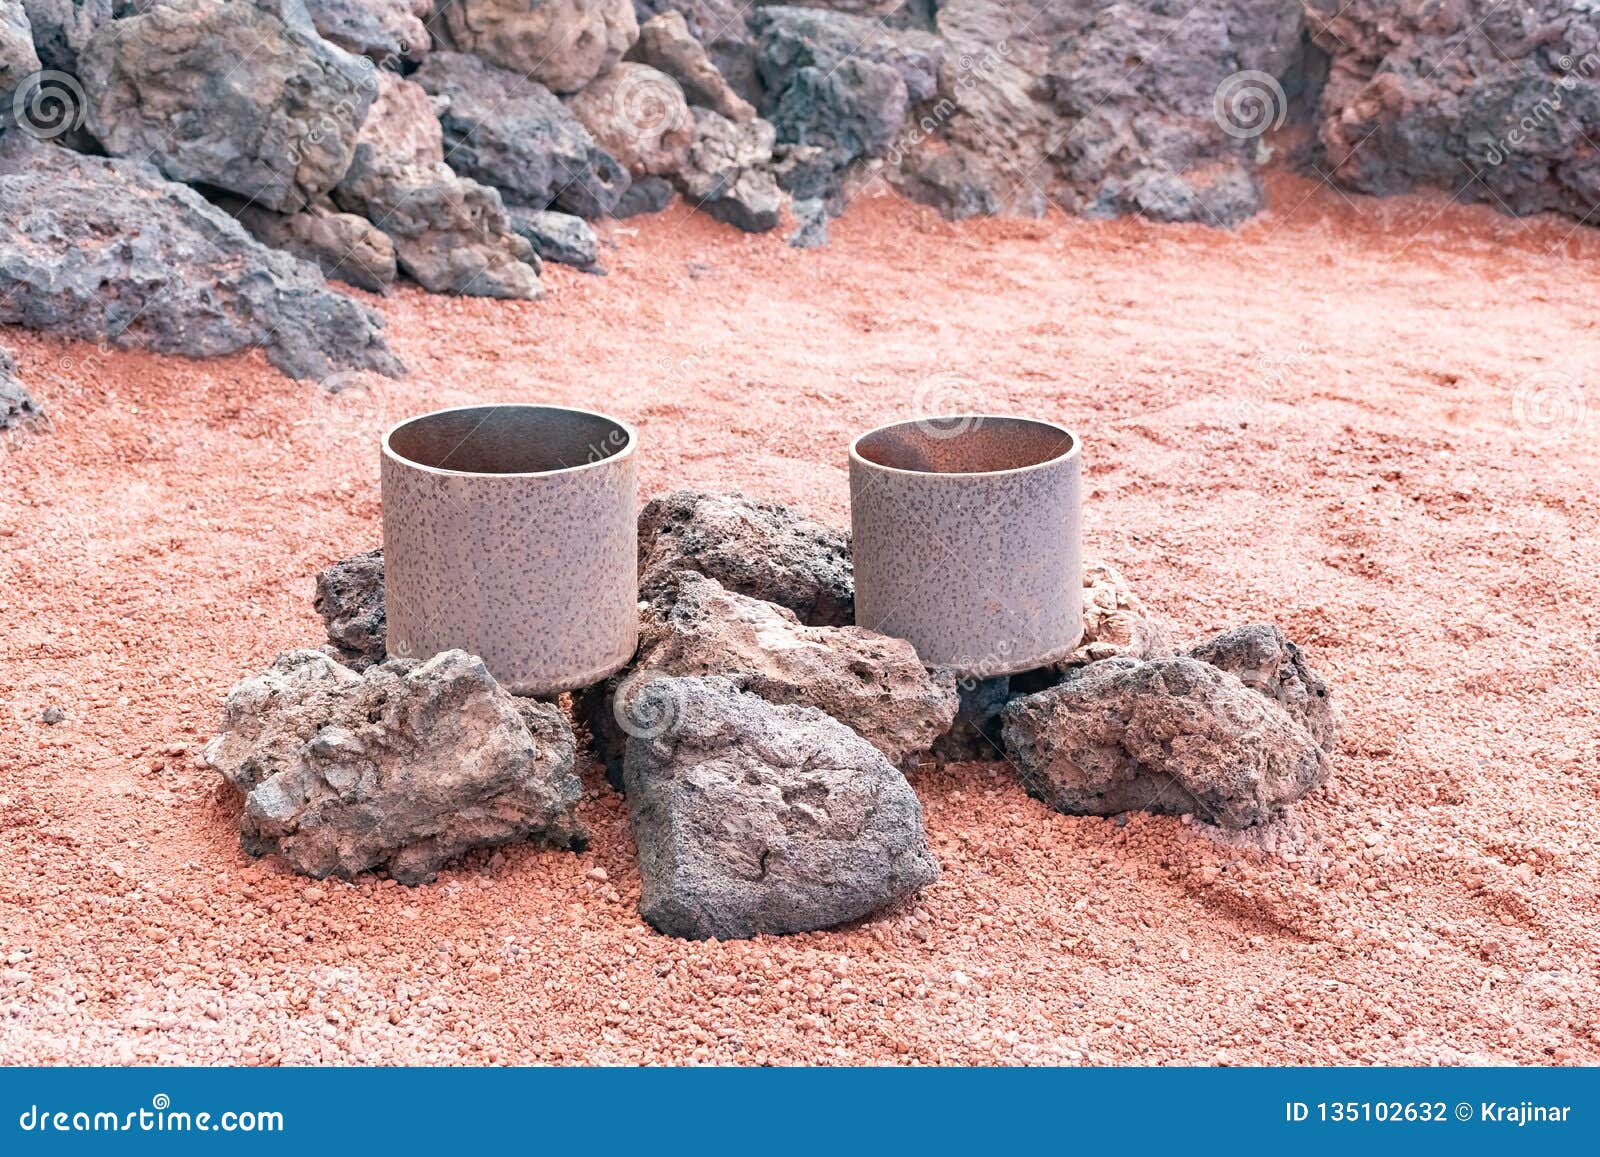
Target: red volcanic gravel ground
<point>1362,419</point>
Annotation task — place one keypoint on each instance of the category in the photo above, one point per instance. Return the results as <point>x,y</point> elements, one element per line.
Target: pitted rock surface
<point>511,132</point>
<point>562,44</point>
<point>762,549</point>
<point>1173,736</point>
<point>402,768</point>
<point>639,116</point>
<point>874,684</point>
<point>241,96</point>
<point>1115,620</point>
<point>107,250</point>
<point>1272,666</point>
<point>350,600</point>
<point>752,818</point>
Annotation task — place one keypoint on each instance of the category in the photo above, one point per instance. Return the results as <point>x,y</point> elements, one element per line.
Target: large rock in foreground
<point>403,768</point>
<point>511,132</point>
<point>106,250</point>
<point>1173,736</point>
<point>762,549</point>
<point>230,94</point>
<point>874,684</point>
<point>752,818</point>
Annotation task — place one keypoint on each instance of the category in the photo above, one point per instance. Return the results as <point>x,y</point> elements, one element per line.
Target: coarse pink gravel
<point>1361,419</point>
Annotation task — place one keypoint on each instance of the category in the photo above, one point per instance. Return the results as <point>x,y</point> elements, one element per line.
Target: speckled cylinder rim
<point>630,439</point>
<point>965,422</point>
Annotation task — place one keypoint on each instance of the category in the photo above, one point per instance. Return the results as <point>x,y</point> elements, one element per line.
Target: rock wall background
<point>459,143</point>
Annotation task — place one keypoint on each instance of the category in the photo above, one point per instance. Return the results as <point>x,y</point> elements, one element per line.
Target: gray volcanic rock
<point>1115,620</point>
<point>1433,94</point>
<point>646,195</point>
<point>1272,666</point>
<point>106,250</point>
<point>727,172</point>
<point>62,27</point>
<point>351,602</point>
<point>666,44</point>
<point>280,129</point>
<point>762,549</point>
<point>511,132</point>
<point>403,768</point>
<point>639,116</point>
<point>562,44</point>
<point>17,407</point>
<point>1139,83</point>
<point>558,237</point>
<point>385,31</point>
<point>1173,736</point>
<point>450,233</point>
<point>719,25</point>
<point>18,60</point>
<point>840,83</point>
<point>873,684</point>
<point>343,245</point>
<point>752,818</point>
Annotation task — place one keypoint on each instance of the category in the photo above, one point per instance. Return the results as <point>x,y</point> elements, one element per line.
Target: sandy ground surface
<point>1355,418</point>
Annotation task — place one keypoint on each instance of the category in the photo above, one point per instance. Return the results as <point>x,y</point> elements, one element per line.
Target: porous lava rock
<point>350,599</point>
<point>1175,736</point>
<point>766,550</point>
<point>755,818</point>
<point>402,768</point>
<point>1270,665</point>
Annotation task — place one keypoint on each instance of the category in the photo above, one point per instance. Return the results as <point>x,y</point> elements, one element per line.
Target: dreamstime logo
<point>354,406</point>
<point>647,704</point>
<point>1248,104</point>
<point>1549,404</point>
<point>650,103</point>
<point>1545,111</point>
<point>48,104</point>
<point>940,404</point>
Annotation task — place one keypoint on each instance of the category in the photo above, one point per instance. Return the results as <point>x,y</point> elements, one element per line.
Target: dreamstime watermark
<point>1248,104</point>
<point>159,1117</point>
<point>650,104</point>
<point>647,704</point>
<point>1546,111</point>
<point>1549,404</point>
<point>942,402</point>
<point>970,71</point>
<point>48,104</point>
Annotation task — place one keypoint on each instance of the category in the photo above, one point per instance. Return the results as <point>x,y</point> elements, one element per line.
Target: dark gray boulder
<point>1493,102</point>
<point>559,237</point>
<point>756,819</point>
<point>350,600</point>
<point>842,84</point>
<point>229,94</point>
<point>1174,736</point>
<point>403,768</point>
<point>1270,665</point>
<point>511,132</point>
<point>762,549</point>
<point>644,195</point>
<point>108,250</point>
